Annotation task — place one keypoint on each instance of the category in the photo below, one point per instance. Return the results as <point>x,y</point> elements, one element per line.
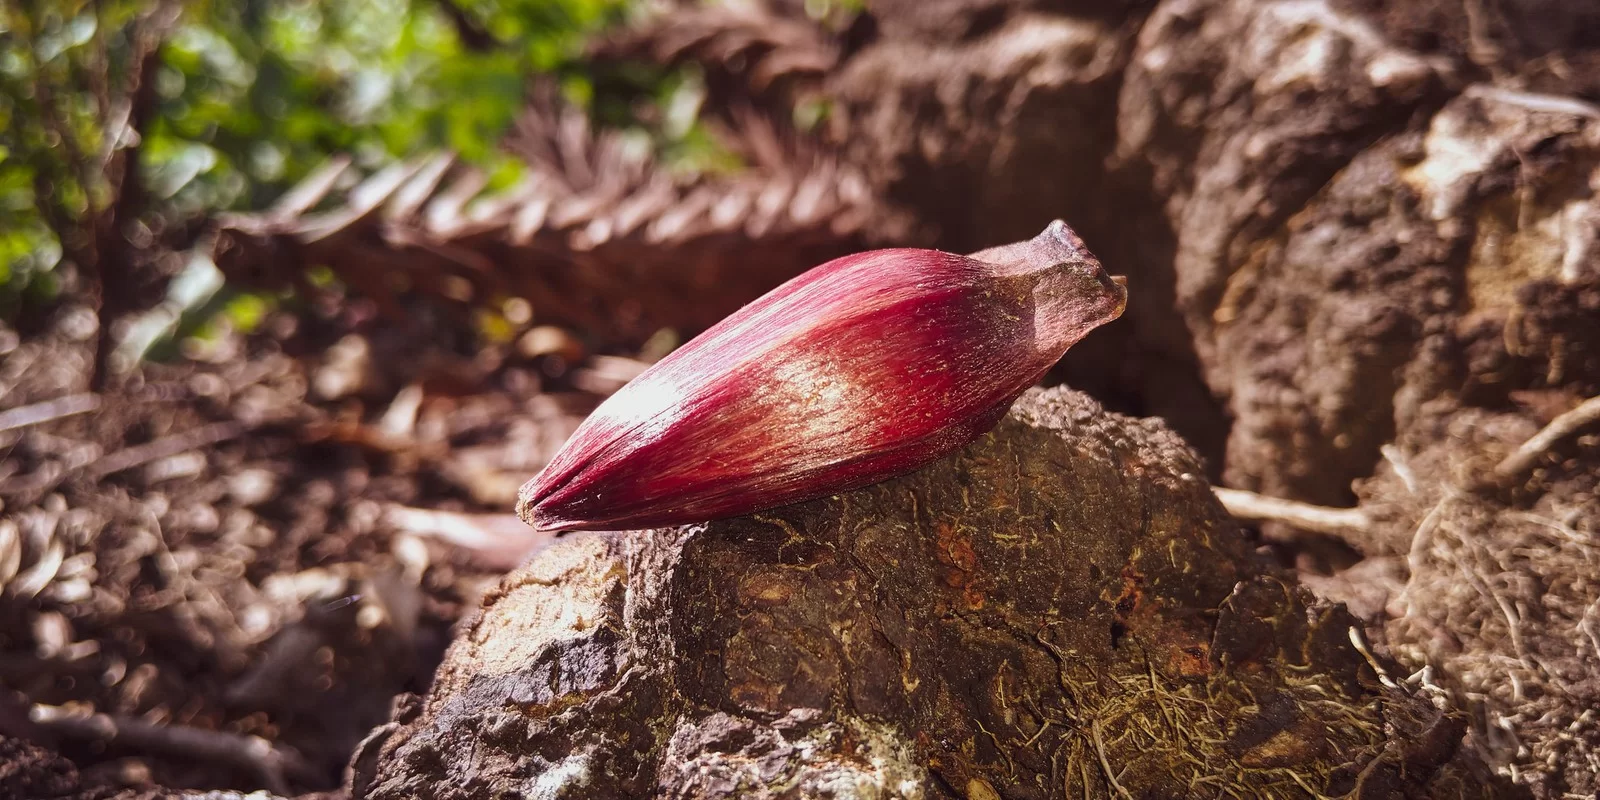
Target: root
<point>1351,525</point>
<point>1354,526</point>
<point>1105,764</point>
<point>1528,455</point>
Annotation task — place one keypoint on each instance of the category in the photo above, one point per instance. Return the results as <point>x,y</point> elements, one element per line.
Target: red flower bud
<point>858,370</point>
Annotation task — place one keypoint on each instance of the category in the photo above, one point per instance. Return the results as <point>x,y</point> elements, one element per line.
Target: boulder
<point>1061,609</point>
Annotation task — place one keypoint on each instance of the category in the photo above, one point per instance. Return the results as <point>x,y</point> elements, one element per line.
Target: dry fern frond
<point>596,234</point>
<point>760,53</point>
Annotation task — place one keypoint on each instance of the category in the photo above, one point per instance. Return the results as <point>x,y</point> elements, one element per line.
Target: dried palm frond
<point>597,234</point>
<point>764,54</point>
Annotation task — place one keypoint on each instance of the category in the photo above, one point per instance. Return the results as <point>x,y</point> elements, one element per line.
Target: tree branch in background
<point>116,257</point>
<point>93,231</point>
<point>474,36</point>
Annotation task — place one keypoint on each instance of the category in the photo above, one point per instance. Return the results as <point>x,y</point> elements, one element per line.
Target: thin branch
<point>1349,524</point>
<point>148,34</point>
<point>273,765</point>
<point>1529,454</point>
<point>115,264</point>
<point>309,192</point>
<point>48,411</point>
<point>137,455</point>
<point>98,76</point>
<point>1421,543</point>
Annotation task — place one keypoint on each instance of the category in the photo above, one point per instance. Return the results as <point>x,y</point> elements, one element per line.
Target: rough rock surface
<point>957,130</point>
<point>1060,608</point>
<point>1232,114</point>
<point>1440,262</point>
<point>1401,282</point>
<point>27,770</point>
<point>1417,315</point>
<point>1380,225</point>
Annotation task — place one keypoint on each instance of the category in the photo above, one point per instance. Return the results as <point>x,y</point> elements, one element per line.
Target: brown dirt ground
<point>217,547</point>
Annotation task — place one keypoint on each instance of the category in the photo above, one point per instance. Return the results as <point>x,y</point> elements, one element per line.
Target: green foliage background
<point>253,94</point>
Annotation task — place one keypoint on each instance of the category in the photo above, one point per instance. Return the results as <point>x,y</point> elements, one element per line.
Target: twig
<point>273,765</point>
<point>48,411</point>
<point>1359,642</point>
<point>1349,524</point>
<point>1528,455</point>
<point>1421,542</point>
<point>130,457</point>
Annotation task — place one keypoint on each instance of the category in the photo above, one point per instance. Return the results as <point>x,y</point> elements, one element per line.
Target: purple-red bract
<point>858,370</point>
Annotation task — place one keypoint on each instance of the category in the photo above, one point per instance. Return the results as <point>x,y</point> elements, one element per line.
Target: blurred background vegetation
<point>236,101</point>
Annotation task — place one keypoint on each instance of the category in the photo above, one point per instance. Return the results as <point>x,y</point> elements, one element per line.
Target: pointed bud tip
<point>1120,280</point>
<point>528,501</point>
